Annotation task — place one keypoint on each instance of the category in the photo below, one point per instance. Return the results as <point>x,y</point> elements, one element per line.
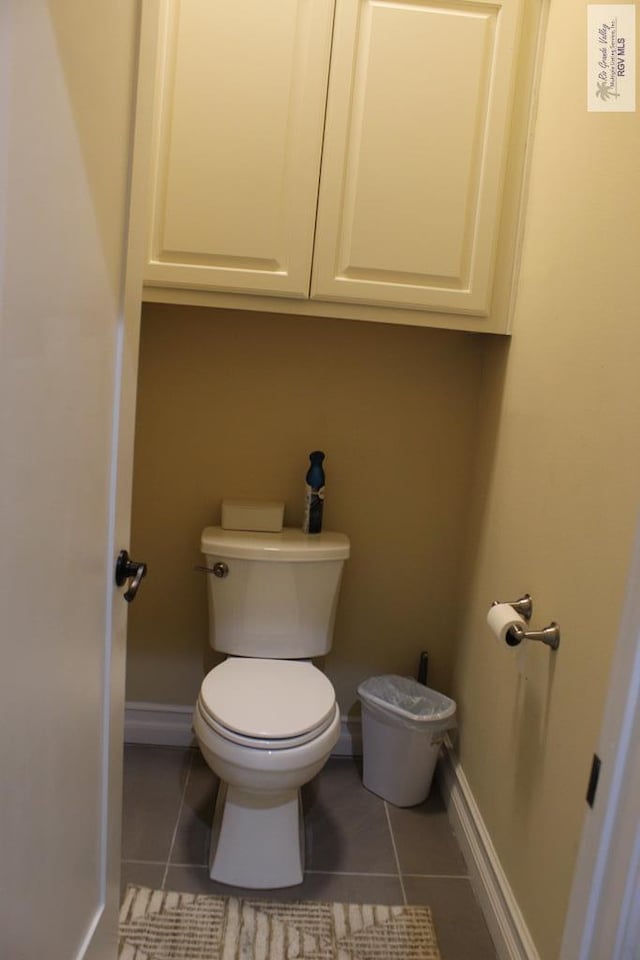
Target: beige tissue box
<point>262,516</point>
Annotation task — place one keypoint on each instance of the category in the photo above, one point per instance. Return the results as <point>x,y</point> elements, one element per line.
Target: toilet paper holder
<point>524,606</point>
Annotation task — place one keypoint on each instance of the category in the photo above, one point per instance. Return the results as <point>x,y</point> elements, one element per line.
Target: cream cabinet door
<point>239,103</point>
<point>414,155</point>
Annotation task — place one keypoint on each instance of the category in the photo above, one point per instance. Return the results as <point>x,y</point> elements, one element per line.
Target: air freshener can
<point>314,494</point>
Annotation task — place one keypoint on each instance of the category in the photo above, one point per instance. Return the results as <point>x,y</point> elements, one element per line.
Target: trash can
<point>403,725</point>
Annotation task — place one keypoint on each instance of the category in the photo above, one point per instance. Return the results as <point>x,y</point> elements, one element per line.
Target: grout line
<point>151,863</point>
<point>350,873</point>
<point>191,866</point>
<point>436,876</point>
<point>395,853</point>
<point>321,873</point>
<point>175,829</point>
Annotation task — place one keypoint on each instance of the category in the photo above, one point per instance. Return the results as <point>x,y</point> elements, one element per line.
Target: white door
<point>603,919</point>
<point>67,368</point>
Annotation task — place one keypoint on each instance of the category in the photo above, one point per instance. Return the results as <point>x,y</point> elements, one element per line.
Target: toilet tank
<point>276,594</point>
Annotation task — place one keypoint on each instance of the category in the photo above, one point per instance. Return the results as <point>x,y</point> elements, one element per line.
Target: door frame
<point>121,481</point>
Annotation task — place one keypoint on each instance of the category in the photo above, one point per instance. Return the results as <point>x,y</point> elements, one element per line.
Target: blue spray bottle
<point>314,494</point>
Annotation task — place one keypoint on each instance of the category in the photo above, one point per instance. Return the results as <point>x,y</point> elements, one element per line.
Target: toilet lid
<point>268,699</point>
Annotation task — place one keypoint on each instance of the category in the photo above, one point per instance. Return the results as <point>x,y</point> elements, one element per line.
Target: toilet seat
<point>262,743</point>
<point>267,704</point>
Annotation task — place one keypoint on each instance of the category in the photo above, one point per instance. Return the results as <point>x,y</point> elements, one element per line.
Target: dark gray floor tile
<point>191,845</point>
<point>192,879</point>
<point>141,874</point>
<point>460,926</point>
<point>346,832</point>
<point>346,827</point>
<point>424,839</point>
<point>345,889</point>
<point>154,780</point>
<point>352,889</point>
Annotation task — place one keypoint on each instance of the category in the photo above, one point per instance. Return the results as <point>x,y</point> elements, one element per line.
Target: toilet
<point>266,719</point>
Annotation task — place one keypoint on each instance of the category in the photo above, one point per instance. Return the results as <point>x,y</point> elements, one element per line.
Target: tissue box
<point>262,516</point>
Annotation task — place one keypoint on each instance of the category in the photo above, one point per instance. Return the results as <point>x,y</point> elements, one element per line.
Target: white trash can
<point>403,726</point>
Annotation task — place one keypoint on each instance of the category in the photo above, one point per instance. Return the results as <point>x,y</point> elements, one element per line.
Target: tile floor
<point>359,848</point>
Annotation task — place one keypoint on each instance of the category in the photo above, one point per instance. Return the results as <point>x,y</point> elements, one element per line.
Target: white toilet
<point>266,718</point>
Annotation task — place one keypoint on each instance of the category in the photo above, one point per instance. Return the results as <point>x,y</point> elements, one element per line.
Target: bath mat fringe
<point>163,925</point>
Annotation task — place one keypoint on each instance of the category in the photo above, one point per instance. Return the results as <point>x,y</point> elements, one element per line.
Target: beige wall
<point>558,467</point>
<point>230,404</point>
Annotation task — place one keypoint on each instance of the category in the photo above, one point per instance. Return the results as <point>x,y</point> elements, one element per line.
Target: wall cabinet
<point>358,158</point>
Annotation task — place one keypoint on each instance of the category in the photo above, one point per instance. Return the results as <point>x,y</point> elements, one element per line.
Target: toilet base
<point>257,839</point>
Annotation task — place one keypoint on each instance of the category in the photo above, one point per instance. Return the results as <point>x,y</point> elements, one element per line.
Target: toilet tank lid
<point>289,544</point>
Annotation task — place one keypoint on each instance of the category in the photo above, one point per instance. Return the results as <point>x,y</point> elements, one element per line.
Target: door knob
<point>131,570</point>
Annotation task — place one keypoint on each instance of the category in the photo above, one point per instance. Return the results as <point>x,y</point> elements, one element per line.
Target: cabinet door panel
<point>236,147</point>
<point>415,144</point>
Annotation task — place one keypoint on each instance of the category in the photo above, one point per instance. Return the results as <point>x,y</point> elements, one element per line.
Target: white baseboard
<point>161,724</point>
<point>169,725</point>
<point>350,742</point>
<point>505,921</point>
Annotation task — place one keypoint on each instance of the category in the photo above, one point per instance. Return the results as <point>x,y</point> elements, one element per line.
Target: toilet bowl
<point>266,719</point>
<point>265,727</point>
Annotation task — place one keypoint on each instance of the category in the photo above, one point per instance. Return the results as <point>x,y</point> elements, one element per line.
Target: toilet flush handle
<point>219,569</point>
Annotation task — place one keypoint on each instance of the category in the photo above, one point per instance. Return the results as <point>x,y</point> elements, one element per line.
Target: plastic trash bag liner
<point>409,699</point>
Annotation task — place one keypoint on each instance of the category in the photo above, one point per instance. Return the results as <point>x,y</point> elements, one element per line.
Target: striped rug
<point>158,925</point>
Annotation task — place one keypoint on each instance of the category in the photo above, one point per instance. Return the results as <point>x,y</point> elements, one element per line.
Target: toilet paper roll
<point>501,618</point>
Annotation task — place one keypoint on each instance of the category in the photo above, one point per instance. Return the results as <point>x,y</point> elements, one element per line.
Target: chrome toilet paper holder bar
<point>524,606</point>
<point>549,635</point>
